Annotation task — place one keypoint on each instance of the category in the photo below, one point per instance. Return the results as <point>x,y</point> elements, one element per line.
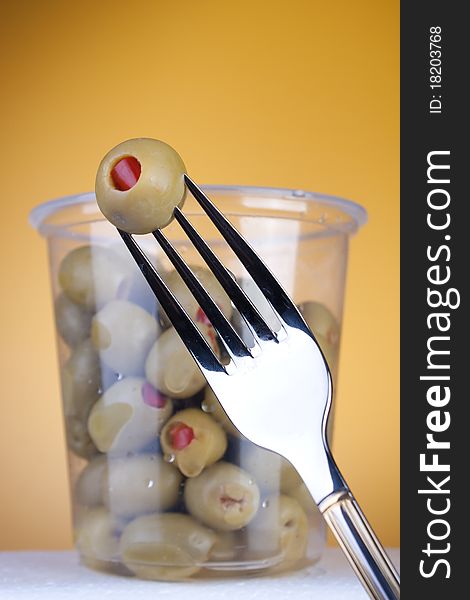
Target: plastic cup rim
<point>354,210</point>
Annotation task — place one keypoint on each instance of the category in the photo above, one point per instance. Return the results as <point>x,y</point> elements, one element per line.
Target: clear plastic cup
<point>162,485</point>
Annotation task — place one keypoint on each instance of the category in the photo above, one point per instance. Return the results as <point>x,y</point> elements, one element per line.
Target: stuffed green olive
<point>223,496</point>
<point>139,183</point>
<point>194,441</point>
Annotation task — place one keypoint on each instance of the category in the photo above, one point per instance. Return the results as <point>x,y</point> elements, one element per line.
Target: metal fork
<point>255,384</point>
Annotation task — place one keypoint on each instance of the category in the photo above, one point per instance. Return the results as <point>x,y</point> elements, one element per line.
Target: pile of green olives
<point>166,487</point>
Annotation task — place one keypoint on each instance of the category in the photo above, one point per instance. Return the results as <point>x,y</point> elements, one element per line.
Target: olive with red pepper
<point>139,183</point>
<point>194,439</point>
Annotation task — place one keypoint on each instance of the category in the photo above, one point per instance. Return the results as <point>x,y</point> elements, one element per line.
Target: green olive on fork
<point>139,183</point>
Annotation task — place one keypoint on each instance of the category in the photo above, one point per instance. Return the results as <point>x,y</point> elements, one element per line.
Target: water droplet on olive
<point>169,458</point>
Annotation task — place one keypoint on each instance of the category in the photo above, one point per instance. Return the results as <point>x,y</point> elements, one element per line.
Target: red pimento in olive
<point>211,334</point>
<point>180,435</point>
<point>201,317</point>
<point>152,396</point>
<point>125,173</point>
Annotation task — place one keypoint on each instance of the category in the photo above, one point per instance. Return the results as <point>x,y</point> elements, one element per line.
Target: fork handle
<point>361,546</point>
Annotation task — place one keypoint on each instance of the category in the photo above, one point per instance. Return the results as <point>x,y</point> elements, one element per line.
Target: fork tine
<point>188,332</point>
<point>244,305</point>
<point>235,346</point>
<point>262,276</point>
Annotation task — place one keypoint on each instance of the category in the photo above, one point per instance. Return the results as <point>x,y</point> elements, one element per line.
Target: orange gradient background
<point>301,94</point>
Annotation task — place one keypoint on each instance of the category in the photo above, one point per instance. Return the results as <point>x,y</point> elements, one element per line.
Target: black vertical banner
<point>435,269</point>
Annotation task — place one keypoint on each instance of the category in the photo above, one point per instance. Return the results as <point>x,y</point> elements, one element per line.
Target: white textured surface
<point>58,575</point>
